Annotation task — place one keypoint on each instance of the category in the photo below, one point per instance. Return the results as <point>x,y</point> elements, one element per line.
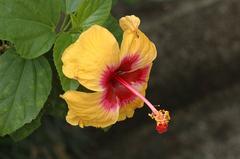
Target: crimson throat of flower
<point>161,117</point>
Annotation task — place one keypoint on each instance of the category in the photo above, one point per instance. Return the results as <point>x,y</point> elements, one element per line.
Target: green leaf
<point>27,129</point>
<point>91,12</point>
<point>113,26</point>
<point>62,42</point>
<point>29,24</point>
<point>55,106</point>
<point>25,86</point>
<point>72,5</point>
<point>63,5</point>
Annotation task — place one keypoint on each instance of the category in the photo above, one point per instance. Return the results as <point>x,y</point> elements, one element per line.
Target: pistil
<point>161,117</point>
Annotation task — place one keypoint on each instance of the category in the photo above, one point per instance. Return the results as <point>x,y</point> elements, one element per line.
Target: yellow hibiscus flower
<point>118,76</point>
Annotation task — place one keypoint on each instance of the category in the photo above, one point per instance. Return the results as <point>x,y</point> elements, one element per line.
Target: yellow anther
<point>162,117</point>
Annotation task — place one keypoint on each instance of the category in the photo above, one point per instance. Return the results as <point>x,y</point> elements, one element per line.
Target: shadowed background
<point>195,76</point>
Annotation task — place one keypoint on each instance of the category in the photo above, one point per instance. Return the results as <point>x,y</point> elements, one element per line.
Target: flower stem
<point>130,88</point>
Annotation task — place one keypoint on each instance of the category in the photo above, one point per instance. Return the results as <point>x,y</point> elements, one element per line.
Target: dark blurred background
<point>196,76</point>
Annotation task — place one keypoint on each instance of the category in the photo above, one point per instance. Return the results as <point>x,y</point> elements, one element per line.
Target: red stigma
<point>162,128</point>
<point>162,118</point>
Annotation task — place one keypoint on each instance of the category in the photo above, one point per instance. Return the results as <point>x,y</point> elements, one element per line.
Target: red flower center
<point>115,92</point>
<point>119,82</point>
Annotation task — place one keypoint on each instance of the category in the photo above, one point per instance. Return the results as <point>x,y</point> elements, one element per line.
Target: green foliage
<point>55,106</point>
<point>72,5</point>
<point>25,86</point>
<point>112,25</point>
<point>91,12</point>
<point>30,29</point>
<point>30,25</point>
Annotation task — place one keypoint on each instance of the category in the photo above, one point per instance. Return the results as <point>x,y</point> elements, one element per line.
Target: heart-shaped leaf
<point>29,24</point>
<point>25,86</point>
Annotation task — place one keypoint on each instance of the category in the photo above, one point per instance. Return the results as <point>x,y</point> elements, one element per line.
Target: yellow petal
<point>87,58</point>
<point>86,109</point>
<point>137,45</point>
<point>129,23</point>
<point>72,118</point>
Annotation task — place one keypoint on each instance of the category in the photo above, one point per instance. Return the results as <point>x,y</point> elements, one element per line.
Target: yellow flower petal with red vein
<point>87,58</point>
<point>86,109</point>
<point>127,110</point>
